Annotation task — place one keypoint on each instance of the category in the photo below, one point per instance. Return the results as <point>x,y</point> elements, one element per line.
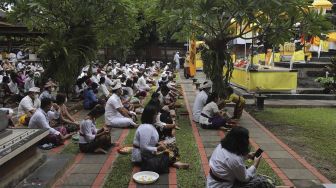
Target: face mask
<point>36,96</point>
<point>52,89</point>
<point>66,100</point>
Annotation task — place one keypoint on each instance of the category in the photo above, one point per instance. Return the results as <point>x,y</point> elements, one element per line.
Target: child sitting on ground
<point>238,100</point>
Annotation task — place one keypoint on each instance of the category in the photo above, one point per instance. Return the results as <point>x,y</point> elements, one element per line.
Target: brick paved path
<point>289,166</point>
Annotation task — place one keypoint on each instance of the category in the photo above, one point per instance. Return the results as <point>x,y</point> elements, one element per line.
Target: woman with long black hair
<point>227,163</point>
<point>147,150</point>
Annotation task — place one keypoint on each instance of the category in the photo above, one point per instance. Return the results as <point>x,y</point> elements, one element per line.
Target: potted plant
<point>329,81</point>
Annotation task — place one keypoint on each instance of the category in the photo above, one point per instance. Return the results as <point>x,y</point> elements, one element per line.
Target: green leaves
<point>76,29</point>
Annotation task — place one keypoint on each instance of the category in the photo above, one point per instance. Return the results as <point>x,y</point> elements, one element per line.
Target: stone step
<point>48,173</point>
<point>19,167</point>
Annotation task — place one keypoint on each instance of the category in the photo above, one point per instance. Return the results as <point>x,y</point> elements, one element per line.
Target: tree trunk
<point>165,50</point>
<point>214,61</point>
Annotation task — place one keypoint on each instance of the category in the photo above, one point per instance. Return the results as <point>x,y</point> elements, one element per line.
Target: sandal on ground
<point>226,129</point>
<point>180,165</point>
<point>100,151</point>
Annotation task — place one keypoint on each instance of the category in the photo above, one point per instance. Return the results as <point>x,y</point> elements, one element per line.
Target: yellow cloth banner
<point>298,56</point>
<point>265,80</point>
<point>277,57</point>
<point>324,46</point>
<point>262,57</point>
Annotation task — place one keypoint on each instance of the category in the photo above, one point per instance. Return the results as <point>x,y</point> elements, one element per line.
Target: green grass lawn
<point>193,177</point>
<point>309,131</point>
<point>121,173</point>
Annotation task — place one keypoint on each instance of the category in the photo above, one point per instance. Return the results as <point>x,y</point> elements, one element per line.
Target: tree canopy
<point>219,22</point>
<point>76,28</point>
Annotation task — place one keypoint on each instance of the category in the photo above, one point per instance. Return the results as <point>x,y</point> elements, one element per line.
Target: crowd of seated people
<point>117,92</point>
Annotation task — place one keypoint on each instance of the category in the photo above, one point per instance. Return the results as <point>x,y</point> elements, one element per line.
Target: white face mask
<point>36,96</point>
<point>52,89</point>
<point>66,100</point>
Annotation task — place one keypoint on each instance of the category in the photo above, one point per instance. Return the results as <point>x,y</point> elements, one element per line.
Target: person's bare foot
<point>100,151</point>
<point>180,165</point>
<point>67,136</point>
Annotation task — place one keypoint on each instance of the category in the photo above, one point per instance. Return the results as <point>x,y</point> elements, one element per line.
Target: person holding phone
<point>227,163</point>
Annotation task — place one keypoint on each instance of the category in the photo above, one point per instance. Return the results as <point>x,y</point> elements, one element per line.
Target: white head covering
<point>206,84</point>
<point>37,74</point>
<point>34,89</point>
<point>116,85</point>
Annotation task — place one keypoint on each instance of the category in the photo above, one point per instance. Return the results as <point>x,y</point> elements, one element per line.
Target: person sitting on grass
<point>90,98</point>
<point>142,83</point>
<point>28,105</point>
<point>103,92</point>
<point>92,140</point>
<point>238,100</point>
<point>65,119</point>
<point>211,117</point>
<point>227,163</point>
<point>147,151</point>
<point>164,123</point>
<point>116,115</point>
<point>40,120</point>
<point>48,91</point>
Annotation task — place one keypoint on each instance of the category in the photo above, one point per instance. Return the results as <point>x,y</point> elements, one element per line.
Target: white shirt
<point>20,55</point>
<point>228,166</point>
<point>102,91</point>
<point>199,103</point>
<point>29,83</point>
<point>46,94</point>
<point>87,128</point>
<point>13,87</point>
<point>158,123</point>
<point>142,84</point>
<point>20,66</point>
<point>27,104</point>
<point>146,137</point>
<point>114,71</point>
<point>171,85</point>
<point>130,92</point>
<point>108,82</point>
<point>40,120</point>
<point>209,110</point>
<point>177,58</point>
<point>12,56</point>
<point>111,112</point>
<point>94,79</point>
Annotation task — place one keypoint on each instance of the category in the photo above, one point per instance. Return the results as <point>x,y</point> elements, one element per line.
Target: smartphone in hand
<point>258,153</point>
